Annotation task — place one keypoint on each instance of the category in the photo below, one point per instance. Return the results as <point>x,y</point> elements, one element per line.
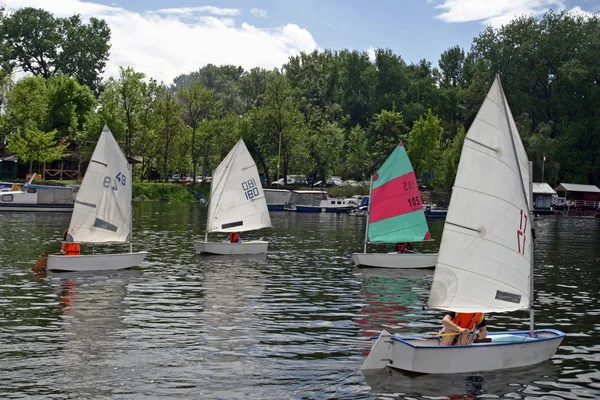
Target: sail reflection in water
<point>393,297</point>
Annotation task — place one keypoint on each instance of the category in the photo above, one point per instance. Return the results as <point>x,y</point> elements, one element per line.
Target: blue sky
<point>165,38</point>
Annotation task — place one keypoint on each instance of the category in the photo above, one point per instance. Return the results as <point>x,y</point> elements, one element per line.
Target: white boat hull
<point>223,248</point>
<point>395,260</point>
<point>511,349</point>
<point>95,262</point>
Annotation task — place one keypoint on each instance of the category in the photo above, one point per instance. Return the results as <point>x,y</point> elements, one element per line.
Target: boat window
<point>339,202</point>
<point>332,202</point>
<point>31,190</point>
<point>7,197</point>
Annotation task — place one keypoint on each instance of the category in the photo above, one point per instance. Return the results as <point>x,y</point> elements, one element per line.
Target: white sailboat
<point>236,204</point>
<point>485,263</point>
<point>103,212</point>
<point>395,214</point>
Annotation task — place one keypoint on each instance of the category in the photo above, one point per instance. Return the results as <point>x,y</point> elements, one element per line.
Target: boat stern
<point>379,355</point>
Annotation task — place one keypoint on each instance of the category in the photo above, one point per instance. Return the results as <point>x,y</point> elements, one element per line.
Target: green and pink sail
<point>396,210</point>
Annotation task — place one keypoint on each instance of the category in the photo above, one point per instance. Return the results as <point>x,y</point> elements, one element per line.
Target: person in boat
<point>69,248</point>
<point>404,247</point>
<point>234,237</point>
<point>463,324</point>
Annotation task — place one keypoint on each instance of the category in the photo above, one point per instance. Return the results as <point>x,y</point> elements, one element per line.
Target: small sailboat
<point>236,204</point>
<point>102,212</point>
<point>395,214</point>
<point>485,263</point>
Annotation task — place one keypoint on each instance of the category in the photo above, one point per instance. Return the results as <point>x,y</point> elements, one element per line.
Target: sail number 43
<point>113,183</point>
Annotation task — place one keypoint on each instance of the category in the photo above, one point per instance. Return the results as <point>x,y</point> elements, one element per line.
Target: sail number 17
<point>521,237</point>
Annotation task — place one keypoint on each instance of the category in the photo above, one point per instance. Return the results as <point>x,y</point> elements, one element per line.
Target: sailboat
<point>102,212</point>
<point>485,263</point>
<point>395,214</point>
<point>237,204</point>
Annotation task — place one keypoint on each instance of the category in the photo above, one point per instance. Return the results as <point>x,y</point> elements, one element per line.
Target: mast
<point>368,213</point>
<point>528,211</point>
<point>131,214</point>
<point>531,279</point>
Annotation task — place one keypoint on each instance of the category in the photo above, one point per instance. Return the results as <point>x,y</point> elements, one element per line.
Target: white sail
<point>237,201</point>
<point>484,261</point>
<point>102,212</point>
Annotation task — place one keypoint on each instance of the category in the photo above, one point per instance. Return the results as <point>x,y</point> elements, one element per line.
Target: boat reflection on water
<point>515,383</point>
<point>227,259</point>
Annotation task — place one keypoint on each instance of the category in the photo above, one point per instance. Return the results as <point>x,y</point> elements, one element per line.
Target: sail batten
<point>485,253</point>
<point>102,210</point>
<point>237,200</point>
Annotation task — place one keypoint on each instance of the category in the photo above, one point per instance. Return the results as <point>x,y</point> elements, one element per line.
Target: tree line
<point>322,113</point>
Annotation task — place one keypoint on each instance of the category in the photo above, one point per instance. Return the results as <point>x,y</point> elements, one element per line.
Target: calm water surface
<point>293,324</point>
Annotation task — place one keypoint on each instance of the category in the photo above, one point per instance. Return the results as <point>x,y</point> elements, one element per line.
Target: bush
<point>175,192</point>
<point>348,191</point>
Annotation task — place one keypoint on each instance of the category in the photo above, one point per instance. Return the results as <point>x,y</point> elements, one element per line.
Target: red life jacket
<point>71,249</point>
<point>402,247</point>
<point>467,320</point>
<point>234,237</point>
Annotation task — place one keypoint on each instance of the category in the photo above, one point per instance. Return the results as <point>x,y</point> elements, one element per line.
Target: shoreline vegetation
<point>321,114</point>
<point>185,193</point>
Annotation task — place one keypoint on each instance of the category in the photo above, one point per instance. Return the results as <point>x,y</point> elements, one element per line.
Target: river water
<point>293,324</point>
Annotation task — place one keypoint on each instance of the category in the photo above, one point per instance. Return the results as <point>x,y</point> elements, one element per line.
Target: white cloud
<point>494,12</point>
<point>202,9</point>
<point>371,53</point>
<point>166,44</point>
<point>257,12</point>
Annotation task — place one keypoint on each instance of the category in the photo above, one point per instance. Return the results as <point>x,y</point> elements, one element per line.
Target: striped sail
<point>396,211</point>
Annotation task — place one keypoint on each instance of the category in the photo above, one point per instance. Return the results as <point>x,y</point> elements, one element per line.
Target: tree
<point>36,145</point>
<point>387,130</point>
<point>423,143</point>
<point>357,155</point>
<point>198,104</point>
<point>451,67</point>
<point>447,165</point>
<point>46,46</point>
<point>169,111</point>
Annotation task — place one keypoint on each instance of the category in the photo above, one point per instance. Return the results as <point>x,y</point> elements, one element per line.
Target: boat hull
<point>226,248</point>
<point>36,207</point>
<point>510,349</point>
<point>318,209</point>
<point>395,260</point>
<point>95,262</point>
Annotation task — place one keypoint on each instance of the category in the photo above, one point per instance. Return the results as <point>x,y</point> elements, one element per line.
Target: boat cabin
<point>277,198</point>
<point>38,198</point>
<point>542,196</point>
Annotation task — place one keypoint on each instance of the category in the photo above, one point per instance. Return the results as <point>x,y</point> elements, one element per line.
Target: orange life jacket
<point>234,237</point>
<point>467,320</point>
<point>71,249</point>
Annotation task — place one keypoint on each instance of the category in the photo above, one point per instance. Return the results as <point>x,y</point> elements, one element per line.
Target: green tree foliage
<point>388,129</point>
<point>447,164</point>
<point>35,145</point>
<point>43,45</point>
<point>171,132</point>
<point>424,142</point>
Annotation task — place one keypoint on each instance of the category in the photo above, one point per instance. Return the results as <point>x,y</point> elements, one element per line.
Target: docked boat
<point>395,214</point>
<point>485,263</point>
<point>32,197</point>
<point>236,204</point>
<point>435,213</point>
<point>277,198</point>
<point>103,212</point>
<point>316,201</point>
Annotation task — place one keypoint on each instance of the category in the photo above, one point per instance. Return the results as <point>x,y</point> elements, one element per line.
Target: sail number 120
<point>120,178</point>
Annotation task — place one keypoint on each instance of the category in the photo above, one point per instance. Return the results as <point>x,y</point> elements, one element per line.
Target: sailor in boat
<point>234,237</point>
<point>404,248</point>
<point>69,248</point>
<point>460,327</point>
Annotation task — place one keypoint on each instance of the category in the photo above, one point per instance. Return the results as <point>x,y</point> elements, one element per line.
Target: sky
<point>164,38</point>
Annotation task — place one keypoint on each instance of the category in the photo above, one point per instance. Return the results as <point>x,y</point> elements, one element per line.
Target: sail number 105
<point>414,201</point>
